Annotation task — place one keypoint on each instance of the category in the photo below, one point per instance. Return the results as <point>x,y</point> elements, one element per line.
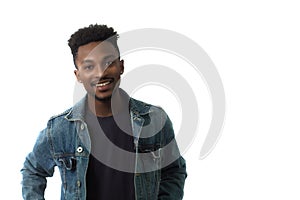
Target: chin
<point>102,99</point>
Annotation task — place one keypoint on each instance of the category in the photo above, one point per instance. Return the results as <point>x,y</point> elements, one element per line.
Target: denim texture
<point>65,143</point>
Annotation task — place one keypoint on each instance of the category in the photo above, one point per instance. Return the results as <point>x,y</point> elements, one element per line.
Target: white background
<point>255,46</point>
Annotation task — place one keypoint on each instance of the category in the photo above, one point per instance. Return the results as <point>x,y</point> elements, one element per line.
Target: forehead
<point>96,51</point>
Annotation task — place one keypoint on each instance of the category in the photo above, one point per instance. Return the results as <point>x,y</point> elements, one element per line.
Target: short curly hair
<point>92,33</point>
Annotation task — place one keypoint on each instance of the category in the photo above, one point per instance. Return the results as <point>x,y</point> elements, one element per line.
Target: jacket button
<point>78,184</point>
<point>79,149</point>
<point>82,126</point>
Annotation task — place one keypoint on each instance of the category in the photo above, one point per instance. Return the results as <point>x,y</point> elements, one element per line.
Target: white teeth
<point>102,84</point>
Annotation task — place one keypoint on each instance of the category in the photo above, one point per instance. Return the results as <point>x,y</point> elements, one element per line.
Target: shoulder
<point>61,115</point>
<point>153,114</point>
<point>141,107</point>
<point>59,120</point>
<point>76,112</point>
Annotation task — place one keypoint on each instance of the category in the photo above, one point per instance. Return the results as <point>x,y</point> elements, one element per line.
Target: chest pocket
<point>148,157</point>
<point>149,172</point>
<point>68,162</point>
<point>67,165</point>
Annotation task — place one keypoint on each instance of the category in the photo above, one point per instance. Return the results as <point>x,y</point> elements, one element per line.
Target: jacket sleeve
<point>173,173</point>
<point>38,165</point>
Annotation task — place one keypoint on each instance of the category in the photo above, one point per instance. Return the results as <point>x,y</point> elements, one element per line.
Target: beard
<point>103,99</point>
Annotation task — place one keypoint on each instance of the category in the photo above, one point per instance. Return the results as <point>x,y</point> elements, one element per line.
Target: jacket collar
<point>78,110</point>
<point>137,108</point>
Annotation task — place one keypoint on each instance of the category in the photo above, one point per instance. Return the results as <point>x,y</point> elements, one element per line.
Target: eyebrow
<point>109,56</point>
<point>86,61</point>
<point>91,61</point>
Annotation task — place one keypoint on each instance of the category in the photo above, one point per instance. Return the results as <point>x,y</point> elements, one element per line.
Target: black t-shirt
<point>104,182</point>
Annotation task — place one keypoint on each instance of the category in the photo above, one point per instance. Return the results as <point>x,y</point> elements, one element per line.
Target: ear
<point>76,72</point>
<point>122,66</point>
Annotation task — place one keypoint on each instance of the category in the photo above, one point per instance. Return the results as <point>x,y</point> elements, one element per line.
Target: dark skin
<point>99,70</point>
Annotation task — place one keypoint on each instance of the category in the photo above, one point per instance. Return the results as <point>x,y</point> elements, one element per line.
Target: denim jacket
<point>65,143</point>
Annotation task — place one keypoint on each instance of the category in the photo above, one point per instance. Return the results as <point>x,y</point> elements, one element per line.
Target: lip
<point>101,81</point>
<point>103,84</point>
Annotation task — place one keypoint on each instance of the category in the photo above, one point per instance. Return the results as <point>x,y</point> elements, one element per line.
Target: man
<point>108,146</point>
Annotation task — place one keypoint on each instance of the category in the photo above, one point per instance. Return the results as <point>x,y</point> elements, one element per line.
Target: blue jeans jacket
<point>160,171</point>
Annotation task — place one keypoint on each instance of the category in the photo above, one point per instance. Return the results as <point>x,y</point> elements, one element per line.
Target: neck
<point>103,108</point>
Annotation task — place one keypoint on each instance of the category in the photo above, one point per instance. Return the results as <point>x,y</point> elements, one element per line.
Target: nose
<point>99,71</point>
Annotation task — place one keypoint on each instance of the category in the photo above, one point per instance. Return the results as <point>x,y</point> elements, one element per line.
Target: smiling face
<point>99,69</point>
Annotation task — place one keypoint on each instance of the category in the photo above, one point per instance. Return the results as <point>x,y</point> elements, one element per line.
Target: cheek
<point>85,77</point>
<point>117,75</point>
<point>85,80</point>
<point>88,87</point>
<point>117,71</point>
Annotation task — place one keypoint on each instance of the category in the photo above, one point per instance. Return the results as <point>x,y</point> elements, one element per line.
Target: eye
<point>109,63</point>
<point>88,67</point>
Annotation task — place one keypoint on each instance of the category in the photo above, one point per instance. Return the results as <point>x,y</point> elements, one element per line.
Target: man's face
<point>99,69</point>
